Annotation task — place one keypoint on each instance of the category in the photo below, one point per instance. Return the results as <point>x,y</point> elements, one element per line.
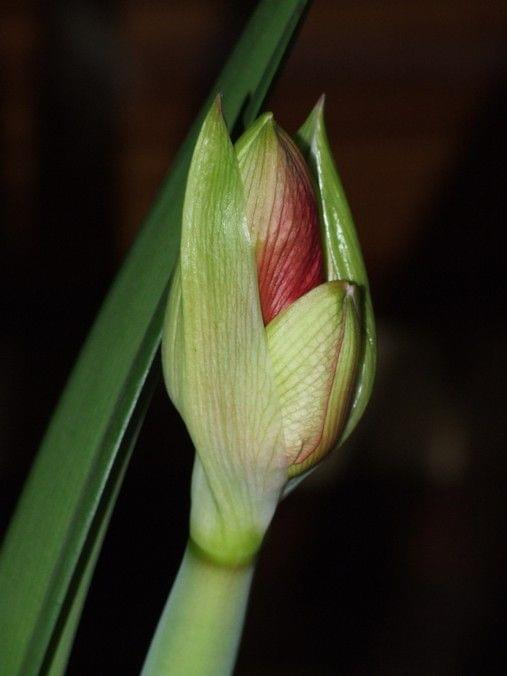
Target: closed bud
<point>264,341</point>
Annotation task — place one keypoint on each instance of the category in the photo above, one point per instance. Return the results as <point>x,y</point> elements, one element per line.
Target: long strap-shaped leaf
<point>55,536</point>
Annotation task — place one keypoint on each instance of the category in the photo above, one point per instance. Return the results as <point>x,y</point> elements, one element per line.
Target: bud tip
<point>217,102</point>
<point>351,290</point>
<point>319,106</point>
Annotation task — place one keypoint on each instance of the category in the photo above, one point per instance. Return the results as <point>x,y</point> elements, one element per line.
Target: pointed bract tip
<point>316,115</point>
<point>266,120</point>
<point>217,101</point>
<point>263,127</point>
<point>353,295</point>
<point>267,117</point>
<point>350,290</point>
<point>213,124</point>
<point>214,114</point>
<point>312,126</point>
<point>318,110</point>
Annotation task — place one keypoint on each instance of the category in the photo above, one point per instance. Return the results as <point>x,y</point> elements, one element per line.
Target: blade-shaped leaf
<point>58,651</point>
<point>63,503</point>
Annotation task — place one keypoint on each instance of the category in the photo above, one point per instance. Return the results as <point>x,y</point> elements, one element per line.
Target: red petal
<point>289,255</point>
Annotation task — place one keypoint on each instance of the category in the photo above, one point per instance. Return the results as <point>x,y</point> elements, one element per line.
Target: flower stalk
<point>200,627</point>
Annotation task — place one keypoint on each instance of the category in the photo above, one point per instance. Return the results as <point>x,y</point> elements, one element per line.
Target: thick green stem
<point>200,627</point>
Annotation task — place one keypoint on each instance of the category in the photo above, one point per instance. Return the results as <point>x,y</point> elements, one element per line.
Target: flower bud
<point>264,343</point>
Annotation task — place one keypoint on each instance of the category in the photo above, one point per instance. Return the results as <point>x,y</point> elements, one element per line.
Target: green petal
<point>342,250</point>
<point>223,388</point>
<point>314,347</point>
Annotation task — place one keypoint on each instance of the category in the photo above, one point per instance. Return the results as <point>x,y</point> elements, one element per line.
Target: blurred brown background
<point>393,562</point>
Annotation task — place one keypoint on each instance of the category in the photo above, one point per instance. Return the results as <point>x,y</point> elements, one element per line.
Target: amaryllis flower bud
<point>264,344</point>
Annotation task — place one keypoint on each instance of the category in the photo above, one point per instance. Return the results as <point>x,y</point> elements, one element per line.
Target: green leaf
<point>343,252</point>
<point>53,541</point>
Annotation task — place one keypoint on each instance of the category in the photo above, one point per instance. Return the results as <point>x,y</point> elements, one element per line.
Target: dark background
<point>393,562</point>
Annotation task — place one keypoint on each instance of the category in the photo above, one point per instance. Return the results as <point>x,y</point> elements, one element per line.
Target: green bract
<point>343,252</point>
<point>263,403</point>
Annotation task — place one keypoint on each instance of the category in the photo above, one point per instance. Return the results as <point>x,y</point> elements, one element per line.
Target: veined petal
<point>227,395</point>
<point>282,216</point>
<point>343,258</point>
<point>315,347</point>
